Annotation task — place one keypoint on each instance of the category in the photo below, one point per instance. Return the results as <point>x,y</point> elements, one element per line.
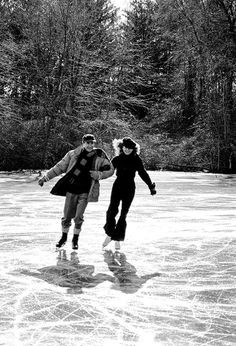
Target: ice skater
<point>84,167</point>
<point>126,163</point>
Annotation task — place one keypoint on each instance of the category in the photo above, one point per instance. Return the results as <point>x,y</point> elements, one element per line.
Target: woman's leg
<point>112,211</point>
<point>127,198</point>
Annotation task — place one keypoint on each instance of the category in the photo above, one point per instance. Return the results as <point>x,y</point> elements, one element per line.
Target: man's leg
<point>68,214</point>
<point>82,203</point>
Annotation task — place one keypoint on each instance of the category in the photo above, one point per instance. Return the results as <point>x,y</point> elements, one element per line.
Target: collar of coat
<point>99,152</point>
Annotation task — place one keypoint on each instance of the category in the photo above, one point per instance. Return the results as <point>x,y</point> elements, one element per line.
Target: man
<point>84,167</point>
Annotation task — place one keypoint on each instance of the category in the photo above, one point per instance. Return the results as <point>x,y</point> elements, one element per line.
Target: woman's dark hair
<point>127,142</point>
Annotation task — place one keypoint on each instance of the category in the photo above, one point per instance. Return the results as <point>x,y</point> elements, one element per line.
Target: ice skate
<point>75,242</point>
<point>62,241</point>
<point>117,245</point>
<point>106,241</point>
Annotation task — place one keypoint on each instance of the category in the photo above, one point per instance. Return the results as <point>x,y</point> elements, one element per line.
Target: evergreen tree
<point>137,63</point>
<point>60,68</point>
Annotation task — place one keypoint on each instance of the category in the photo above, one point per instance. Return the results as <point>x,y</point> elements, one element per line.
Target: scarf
<point>80,165</point>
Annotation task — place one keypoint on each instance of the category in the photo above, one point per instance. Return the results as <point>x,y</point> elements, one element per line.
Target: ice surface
<point>173,282</point>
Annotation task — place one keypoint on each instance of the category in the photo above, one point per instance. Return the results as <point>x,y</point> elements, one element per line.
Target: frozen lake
<point>173,283</point>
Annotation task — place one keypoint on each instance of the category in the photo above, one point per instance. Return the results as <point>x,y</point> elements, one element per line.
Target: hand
<point>152,189</point>
<point>94,175</point>
<point>41,181</point>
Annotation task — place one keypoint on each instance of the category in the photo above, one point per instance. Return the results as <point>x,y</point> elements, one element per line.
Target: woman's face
<point>127,151</point>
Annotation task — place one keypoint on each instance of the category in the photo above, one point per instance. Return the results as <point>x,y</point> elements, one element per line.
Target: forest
<point>165,75</point>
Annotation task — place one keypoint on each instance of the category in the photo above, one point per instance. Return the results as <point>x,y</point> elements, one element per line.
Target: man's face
<point>88,145</point>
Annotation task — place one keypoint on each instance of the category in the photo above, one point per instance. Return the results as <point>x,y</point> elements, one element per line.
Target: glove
<point>152,189</point>
<point>41,181</point>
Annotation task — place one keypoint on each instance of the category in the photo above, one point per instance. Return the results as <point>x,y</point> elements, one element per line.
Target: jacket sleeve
<point>105,168</point>
<point>143,173</point>
<point>59,168</point>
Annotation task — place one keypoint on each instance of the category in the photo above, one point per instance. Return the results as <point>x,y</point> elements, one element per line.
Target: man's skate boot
<point>62,241</point>
<point>75,242</point>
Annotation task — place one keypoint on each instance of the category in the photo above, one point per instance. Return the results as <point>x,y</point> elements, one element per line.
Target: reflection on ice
<point>125,273</point>
<point>173,283</point>
<point>70,273</point>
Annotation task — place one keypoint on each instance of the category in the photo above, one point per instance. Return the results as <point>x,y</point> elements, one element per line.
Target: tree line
<point>165,76</point>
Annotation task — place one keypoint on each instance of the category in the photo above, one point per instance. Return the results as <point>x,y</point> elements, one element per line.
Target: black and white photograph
<point>118,172</point>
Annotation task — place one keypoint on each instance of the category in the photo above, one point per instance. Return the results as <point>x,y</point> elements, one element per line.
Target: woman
<point>126,162</point>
